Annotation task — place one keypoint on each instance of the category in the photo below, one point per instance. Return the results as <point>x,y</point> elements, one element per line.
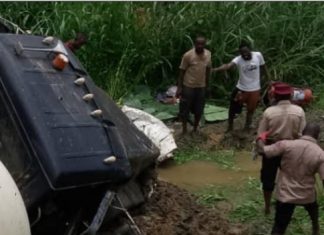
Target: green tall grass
<point>133,42</point>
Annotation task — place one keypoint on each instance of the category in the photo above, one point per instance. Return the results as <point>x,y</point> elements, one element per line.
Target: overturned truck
<point>78,161</point>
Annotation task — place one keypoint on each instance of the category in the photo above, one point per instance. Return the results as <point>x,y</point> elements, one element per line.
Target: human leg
<point>234,108</point>
<point>199,105</point>
<point>185,106</point>
<point>252,99</point>
<point>269,170</point>
<point>284,212</point>
<point>248,120</point>
<point>312,209</point>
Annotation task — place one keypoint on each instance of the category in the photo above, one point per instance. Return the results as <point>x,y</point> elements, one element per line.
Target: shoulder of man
<point>237,59</point>
<point>208,54</point>
<point>317,148</point>
<point>188,53</point>
<point>257,53</point>
<point>207,51</point>
<point>269,110</point>
<point>297,108</point>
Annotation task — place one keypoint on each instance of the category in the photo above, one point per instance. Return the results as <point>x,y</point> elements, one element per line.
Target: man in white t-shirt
<point>251,67</point>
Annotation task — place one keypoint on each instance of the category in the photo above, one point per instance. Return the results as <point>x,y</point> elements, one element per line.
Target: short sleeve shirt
<point>195,66</point>
<point>301,160</point>
<point>283,121</point>
<point>249,71</point>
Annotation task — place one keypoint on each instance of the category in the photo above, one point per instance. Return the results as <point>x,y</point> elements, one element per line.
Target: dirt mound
<point>173,211</point>
<point>213,136</point>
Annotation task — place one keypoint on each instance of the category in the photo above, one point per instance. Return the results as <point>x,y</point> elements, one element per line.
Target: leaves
<point>214,113</point>
<point>134,43</point>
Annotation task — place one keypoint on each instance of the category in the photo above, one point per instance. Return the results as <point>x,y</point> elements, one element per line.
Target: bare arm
<point>224,67</point>
<point>208,70</point>
<point>264,75</point>
<point>263,71</point>
<point>180,82</point>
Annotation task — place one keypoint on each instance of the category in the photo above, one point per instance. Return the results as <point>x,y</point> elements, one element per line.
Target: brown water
<point>196,175</point>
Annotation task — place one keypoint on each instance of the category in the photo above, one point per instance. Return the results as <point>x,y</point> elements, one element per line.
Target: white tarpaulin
<point>154,129</point>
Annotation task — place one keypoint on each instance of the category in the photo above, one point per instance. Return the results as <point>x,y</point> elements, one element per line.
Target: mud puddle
<point>196,175</point>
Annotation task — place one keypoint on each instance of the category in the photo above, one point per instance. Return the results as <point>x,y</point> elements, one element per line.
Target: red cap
<point>282,89</point>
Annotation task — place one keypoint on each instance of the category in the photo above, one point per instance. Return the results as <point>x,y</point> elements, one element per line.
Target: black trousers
<point>284,212</point>
<point>192,100</point>
<point>235,107</point>
<point>269,170</point>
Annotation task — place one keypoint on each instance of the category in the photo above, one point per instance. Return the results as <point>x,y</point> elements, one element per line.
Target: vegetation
<point>142,43</point>
<point>136,43</point>
<point>243,202</point>
<point>224,158</point>
<point>247,203</point>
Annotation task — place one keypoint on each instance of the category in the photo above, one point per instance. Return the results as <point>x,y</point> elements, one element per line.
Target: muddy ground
<point>172,210</point>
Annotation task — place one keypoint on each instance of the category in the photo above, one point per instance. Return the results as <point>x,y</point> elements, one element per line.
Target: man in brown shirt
<point>193,80</point>
<point>282,121</point>
<point>301,160</point>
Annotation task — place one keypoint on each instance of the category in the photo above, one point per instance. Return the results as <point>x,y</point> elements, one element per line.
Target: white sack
<point>154,129</point>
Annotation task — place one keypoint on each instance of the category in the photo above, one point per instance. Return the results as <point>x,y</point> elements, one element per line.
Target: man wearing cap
<point>193,80</point>
<point>301,160</point>
<point>283,121</point>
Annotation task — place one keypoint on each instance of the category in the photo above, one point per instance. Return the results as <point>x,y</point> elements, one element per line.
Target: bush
<point>142,43</point>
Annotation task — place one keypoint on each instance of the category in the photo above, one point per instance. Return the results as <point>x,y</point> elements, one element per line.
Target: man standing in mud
<point>251,67</point>
<point>193,79</point>
<point>301,160</point>
<point>283,121</point>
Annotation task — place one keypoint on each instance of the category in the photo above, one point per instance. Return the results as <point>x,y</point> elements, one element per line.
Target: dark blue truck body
<point>63,146</point>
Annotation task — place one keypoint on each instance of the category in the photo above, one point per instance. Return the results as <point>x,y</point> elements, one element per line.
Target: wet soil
<point>174,210</point>
<point>197,175</point>
<point>213,136</point>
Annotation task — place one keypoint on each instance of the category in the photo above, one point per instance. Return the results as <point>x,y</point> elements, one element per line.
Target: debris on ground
<point>166,106</point>
<point>174,211</point>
